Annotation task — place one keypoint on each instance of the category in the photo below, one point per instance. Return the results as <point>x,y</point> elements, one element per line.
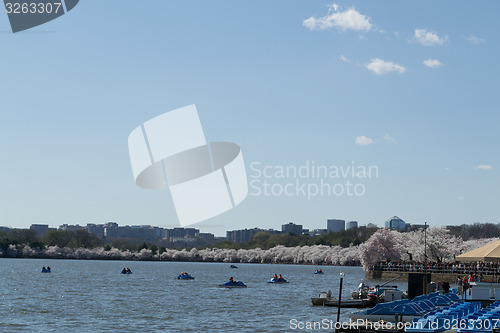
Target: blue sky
<point>411,88</point>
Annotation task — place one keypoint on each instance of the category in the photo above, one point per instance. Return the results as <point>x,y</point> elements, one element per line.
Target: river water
<point>89,296</point>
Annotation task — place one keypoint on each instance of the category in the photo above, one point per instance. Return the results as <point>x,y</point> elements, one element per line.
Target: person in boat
<point>275,276</point>
<point>280,278</point>
<point>129,271</point>
<point>124,270</point>
<point>48,269</point>
<point>231,280</point>
<point>44,270</point>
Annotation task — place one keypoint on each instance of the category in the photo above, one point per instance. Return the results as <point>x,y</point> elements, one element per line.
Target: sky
<point>408,89</point>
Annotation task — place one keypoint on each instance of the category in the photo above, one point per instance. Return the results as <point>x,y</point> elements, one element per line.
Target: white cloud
<point>446,169</point>
<point>363,140</point>
<point>350,19</point>
<point>381,67</point>
<point>344,59</point>
<point>432,63</point>
<point>428,38</point>
<point>389,138</point>
<point>483,167</point>
<point>474,39</point>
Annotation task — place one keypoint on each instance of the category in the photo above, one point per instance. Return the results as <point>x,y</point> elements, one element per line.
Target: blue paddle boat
<point>277,280</point>
<point>232,284</point>
<point>185,276</point>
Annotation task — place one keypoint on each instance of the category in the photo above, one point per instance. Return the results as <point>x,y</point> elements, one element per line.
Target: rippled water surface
<point>89,296</point>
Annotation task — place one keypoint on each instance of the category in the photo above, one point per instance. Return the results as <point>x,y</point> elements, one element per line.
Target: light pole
<point>425,258</point>
<point>340,297</point>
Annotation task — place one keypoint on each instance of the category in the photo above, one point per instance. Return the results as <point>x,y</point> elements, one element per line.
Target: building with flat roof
<point>334,225</point>
<point>351,225</point>
<point>292,228</point>
<point>41,229</point>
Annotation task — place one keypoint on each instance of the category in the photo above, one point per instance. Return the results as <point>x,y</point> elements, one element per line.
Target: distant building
<point>41,229</point>
<point>71,227</point>
<point>333,225</point>
<point>291,228</point>
<point>181,234</point>
<point>4,229</point>
<point>351,225</point>
<point>245,235</point>
<point>415,227</point>
<point>396,223</point>
<point>96,229</point>
<point>315,232</point>
<point>144,233</point>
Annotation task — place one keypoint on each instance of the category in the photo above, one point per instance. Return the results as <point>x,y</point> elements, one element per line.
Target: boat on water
<point>405,310</point>
<point>350,303</point>
<point>185,276</point>
<point>233,266</point>
<point>126,271</point>
<point>277,280</point>
<point>45,270</point>
<point>233,284</point>
<point>318,271</point>
<point>360,299</point>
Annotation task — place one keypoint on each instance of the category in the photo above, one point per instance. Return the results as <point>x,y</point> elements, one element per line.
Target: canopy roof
<point>489,252</point>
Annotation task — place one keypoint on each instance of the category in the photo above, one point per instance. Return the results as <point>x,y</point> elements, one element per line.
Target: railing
<point>433,269</point>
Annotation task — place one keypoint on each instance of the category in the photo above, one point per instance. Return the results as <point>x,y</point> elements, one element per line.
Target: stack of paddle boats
<point>407,311</point>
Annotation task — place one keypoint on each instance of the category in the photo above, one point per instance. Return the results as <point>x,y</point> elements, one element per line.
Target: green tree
<point>153,248</point>
<point>60,238</point>
<point>144,245</point>
<point>22,236</point>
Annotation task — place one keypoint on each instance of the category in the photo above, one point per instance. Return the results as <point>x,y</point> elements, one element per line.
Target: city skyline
<point>409,89</point>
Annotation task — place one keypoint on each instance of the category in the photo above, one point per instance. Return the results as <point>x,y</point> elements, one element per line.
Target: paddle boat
<point>318,271</point>
<point>232,284</point>
<point>360,300</point>
<point>233,266</point>
<point>185,276</point>
<point>277,280</point>
<point>126,271</point>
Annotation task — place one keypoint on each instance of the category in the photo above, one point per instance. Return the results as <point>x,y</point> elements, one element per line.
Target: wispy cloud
<point>363,140</point>
<point>349,19</point>
<point>344,59</point>
<point>381,67</point>
<point>432,63</point>
<point>389,138</point>
<point>483,167</point>
<point>474,39</point>
<point>446,169</point>
<point>428,38</point>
